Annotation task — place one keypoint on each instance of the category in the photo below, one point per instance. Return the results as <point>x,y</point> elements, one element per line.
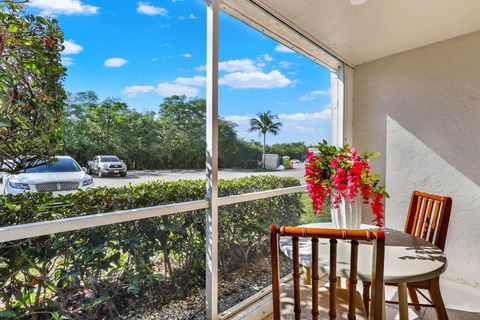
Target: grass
<point>308,215</point>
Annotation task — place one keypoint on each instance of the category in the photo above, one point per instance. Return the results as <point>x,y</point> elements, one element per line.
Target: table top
<point>407,258</point>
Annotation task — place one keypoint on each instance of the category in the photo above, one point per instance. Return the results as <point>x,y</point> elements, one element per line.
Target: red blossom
<point>339,173</point>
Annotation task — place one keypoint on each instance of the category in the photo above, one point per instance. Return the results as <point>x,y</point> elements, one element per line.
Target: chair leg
<point>414,297</point>
<point>437,300</point>
<point>366,297</point>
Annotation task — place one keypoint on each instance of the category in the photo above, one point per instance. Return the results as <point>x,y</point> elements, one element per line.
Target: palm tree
<point>264,123</point>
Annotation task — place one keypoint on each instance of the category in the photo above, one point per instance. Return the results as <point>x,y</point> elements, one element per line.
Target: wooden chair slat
<point>433,225</point>
<point>418,206</point>
<point>296,278</point>
<point>421,220</point>
<point>353,279</point>
<point>315,279</point>
<point>426,224</point>
<point>333,279</point>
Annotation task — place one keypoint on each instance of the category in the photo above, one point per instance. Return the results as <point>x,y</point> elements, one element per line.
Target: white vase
<point>348,215</point>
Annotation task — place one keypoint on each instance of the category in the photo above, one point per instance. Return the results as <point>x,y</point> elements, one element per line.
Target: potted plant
<point>341,178</point>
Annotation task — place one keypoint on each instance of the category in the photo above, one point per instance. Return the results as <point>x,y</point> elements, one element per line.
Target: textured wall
<point>421,110</point>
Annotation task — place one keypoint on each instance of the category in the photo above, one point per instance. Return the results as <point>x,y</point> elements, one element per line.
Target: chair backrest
<point>428,217</point>
<point>378,238</point>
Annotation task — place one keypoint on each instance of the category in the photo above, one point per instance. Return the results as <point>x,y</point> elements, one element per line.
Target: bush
<point>98,272</point>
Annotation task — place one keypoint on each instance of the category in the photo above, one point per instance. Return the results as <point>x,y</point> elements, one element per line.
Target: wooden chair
<point>428,218</point>
<point>326,302</point>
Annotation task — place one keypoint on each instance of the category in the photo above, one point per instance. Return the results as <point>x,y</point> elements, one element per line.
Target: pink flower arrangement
<point>333,174</point>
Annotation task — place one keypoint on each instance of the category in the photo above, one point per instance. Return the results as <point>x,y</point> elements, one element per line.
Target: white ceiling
<point>376,28</point>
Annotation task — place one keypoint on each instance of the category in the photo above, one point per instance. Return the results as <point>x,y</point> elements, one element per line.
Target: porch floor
<point>462,302</point>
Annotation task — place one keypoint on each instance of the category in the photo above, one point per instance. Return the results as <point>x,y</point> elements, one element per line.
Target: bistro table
<point>407,259</point>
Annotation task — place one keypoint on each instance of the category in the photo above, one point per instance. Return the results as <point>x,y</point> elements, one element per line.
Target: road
<point>136,177</point>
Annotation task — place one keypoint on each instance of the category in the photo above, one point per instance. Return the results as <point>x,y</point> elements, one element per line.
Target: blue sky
<point>142,51</point>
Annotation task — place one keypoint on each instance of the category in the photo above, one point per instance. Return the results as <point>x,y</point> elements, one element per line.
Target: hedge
<point>96,273</point>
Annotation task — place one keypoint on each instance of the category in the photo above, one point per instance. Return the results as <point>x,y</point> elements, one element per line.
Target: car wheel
<point>123,174</point>
<point>99,173</point>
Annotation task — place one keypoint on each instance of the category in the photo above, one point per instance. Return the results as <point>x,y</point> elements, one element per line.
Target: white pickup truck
<point>104,165</point>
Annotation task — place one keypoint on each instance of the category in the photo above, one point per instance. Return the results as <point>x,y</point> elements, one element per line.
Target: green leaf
<point>12,28</point>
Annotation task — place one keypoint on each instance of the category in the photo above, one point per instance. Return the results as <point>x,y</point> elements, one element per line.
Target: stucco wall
<point>421,110</point>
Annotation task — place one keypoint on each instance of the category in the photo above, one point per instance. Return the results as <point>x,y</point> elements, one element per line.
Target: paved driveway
<point>172,175</point>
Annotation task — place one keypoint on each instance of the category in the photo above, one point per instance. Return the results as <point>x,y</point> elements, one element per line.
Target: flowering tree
<point>31,92</point>
<point>337,173</point>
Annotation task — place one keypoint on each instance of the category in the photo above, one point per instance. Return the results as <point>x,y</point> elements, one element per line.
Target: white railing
<point>36,229</point>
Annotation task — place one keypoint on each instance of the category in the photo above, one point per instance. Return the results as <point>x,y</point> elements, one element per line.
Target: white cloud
<point>282,48</point>
<point>67,61</point>
<point>179,86</point>
<point>198,81</point>
<point>63,7</point>
<point>239,119</point>
<point>191,16</point>
<point>167,89</point>
<point>257,80</point>
<point>242,65</point>
<point>325,114</point>
<point>115,62</point>
<point>284,64</point>
<point>148,9</point>
<point>71,47</point>
<point>305,117</point>
<point>291,122</point>
<point>132,91</point>
<point>314,94</point>
<point>267,57</point>
<point>187,55</point>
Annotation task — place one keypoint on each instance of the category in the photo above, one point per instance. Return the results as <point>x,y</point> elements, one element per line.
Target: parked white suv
<point>103,165</point>
<point>61,177</point>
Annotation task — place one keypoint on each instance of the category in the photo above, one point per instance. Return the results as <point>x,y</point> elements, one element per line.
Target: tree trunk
<point>263,156</point>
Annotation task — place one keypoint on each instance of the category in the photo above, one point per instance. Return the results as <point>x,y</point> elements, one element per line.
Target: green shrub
<point>97,272</point>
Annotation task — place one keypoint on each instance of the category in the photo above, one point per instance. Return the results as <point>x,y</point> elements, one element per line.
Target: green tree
<point>31,89</point>
<point>265,123</point>
<point>295,150</point>
<point>93,127</point>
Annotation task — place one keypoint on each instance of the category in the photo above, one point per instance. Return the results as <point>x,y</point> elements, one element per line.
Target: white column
<point>342,105</point>
<point>338,100</point>
<point>348,106</point>
<point>212,161</point>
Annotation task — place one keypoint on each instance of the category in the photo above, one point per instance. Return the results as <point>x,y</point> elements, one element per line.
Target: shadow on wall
<point>412,165</point>
<point>420,109</point>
